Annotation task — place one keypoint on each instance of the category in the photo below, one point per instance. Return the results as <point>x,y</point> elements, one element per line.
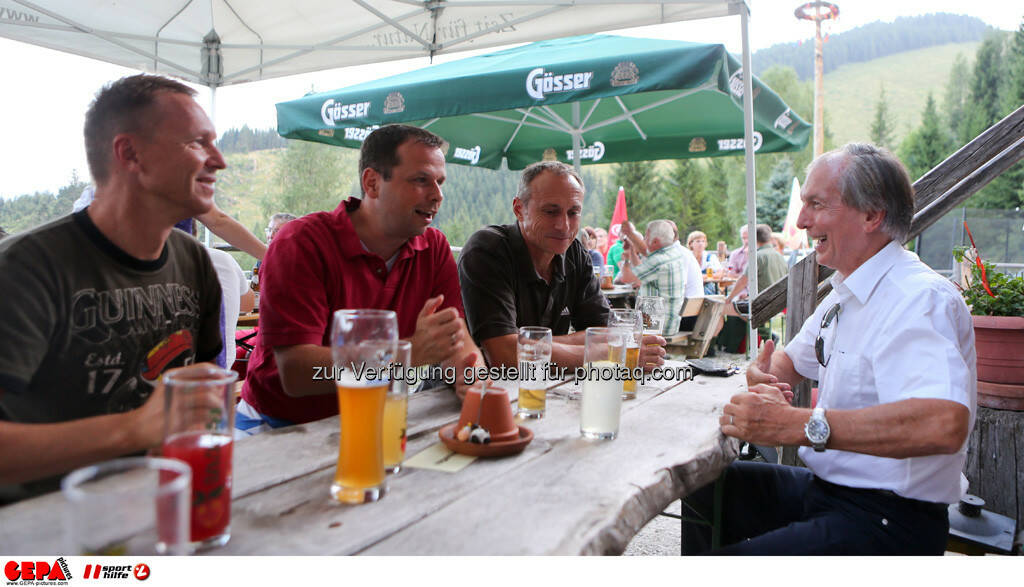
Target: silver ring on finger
<point>732,419</point>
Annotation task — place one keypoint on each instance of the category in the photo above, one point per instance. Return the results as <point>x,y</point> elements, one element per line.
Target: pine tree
<point>983,102</point>
<point>955,102</point>
<point>882,126</point>
<point>773,202</point>
<point>645,198</point>
<point>927,145</point>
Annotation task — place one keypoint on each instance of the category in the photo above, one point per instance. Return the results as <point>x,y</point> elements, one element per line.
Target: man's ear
<point>519,208</point>
<point>370,181</point>
<point>873,220</point>
<point>124,152</point>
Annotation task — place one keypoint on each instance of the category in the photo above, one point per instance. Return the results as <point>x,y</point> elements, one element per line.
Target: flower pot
<point>999,341</point>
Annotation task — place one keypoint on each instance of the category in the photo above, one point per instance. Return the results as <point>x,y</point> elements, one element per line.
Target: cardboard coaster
<point>438,458</point>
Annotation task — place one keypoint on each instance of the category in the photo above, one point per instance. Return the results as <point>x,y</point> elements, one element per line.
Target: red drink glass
<point>199,419</point>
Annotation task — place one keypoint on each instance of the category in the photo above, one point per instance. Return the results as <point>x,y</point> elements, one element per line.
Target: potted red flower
<point>997,307</point>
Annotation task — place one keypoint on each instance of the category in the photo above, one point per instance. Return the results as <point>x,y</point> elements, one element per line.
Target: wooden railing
<point>937,192</point>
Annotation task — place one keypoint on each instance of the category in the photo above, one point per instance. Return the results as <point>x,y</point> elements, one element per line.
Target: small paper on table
<point>437,457</point>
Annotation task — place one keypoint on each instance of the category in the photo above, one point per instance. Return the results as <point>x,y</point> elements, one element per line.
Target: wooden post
<point>995,462</point>
<point>801,302</point>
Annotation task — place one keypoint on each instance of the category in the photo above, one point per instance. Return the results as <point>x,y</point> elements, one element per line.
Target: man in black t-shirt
<point>99,304</point>
<point>535,272</point>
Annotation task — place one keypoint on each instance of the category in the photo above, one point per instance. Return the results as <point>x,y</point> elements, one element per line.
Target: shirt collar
<point>351,246</point>
<point>529,272</point>
<point>864,279</point>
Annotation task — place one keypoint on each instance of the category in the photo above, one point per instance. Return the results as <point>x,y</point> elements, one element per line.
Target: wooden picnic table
<point>248,320</point>
<point>562,495</point>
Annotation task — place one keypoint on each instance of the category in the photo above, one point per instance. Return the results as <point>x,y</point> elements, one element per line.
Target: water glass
<point>130,506</point>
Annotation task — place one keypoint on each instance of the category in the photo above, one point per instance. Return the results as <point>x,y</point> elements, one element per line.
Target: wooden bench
<point>708,310</point>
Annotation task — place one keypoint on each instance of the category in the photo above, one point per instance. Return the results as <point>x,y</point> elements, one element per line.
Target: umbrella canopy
<point>621,98</point>
<point>221,42</point>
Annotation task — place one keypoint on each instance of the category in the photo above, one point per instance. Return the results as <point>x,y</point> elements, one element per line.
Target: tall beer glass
<point>631,321</point>
<point>604,354</point>
<point>653,316</point>
<point>534,352</point>
<point>396,407</point>
<point>363,346</point>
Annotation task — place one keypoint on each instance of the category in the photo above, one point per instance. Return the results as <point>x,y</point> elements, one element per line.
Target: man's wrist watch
<point>817,429</point>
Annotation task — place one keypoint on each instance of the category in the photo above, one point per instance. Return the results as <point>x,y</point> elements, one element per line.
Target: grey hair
<point>764,234</point>
<point>282,217</point>
<point>534,169</point>
<point>661,230</point>
<point>872,179</point>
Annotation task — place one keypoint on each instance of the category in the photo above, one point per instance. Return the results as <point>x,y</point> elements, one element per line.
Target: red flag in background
<point>618,217</point>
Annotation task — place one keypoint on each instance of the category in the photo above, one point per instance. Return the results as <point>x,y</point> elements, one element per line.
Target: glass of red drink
<point>199,419</point>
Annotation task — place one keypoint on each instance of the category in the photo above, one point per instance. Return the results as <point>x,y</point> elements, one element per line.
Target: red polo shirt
<point>317,265</point>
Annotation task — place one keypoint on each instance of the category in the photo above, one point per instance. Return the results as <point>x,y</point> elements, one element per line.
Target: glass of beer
<point>363,343</point>
<point>631,321</point>
<point>604,356</point>
<point>653,315</point>
<point>607,277</point>
<point>396,408</point>
<point>534,350</point>
<point>199,422</point>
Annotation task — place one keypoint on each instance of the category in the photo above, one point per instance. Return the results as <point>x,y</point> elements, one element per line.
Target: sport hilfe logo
<point>139,571</point>
<point>37,570</point>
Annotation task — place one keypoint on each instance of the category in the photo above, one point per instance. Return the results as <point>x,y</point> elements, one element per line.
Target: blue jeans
<point>778,510</point>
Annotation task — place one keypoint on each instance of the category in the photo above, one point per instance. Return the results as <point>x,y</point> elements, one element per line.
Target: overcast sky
<point>45,93</point>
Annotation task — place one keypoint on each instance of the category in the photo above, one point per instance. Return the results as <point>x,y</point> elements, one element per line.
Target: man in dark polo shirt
<point>535,272</point>
<point>377,252</point>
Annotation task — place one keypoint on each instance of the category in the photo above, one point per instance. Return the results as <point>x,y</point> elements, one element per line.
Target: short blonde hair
<point>693,235</point>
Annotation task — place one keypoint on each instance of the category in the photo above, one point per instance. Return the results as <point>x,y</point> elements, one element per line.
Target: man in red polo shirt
<point>378,252</point>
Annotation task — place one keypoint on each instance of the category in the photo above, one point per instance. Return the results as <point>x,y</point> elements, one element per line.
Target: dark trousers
<point>778,510</point>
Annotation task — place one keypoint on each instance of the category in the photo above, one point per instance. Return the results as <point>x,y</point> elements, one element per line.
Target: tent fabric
<point>626,99</point>
<point>222,42</point>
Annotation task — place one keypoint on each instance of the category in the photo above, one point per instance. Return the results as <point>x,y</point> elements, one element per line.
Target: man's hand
<point>462,386</point>
<point>763,416</point>
<point>759,371</point>
<point>439,336</point>
<point>652,352</point>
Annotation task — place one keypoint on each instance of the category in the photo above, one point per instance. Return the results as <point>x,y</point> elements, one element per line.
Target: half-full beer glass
<point>631,321</point>
<point>604,355</point>
<point>363,346</point>
<point>534,351</point>
<point>653,315</point>
<point>396,407</point>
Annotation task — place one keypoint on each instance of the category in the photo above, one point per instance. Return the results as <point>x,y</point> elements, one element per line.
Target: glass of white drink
<point>604,359</point>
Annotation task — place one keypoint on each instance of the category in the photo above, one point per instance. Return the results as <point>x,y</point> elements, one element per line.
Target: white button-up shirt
<point>903,332</point>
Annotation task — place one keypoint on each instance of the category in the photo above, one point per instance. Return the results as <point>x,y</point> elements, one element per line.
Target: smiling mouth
<point>427,215</point>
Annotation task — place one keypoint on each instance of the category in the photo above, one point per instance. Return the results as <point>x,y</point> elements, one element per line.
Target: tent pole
<point>748,156</point>
<point>213,118</point>
<point>577,139</point>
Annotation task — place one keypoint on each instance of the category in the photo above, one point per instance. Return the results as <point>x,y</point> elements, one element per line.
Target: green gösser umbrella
<point>619,98</point>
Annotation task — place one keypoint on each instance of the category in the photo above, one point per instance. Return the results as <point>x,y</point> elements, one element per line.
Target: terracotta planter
<point>999,341</point>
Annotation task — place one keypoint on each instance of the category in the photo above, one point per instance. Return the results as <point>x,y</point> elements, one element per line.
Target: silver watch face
<point>817,430</point>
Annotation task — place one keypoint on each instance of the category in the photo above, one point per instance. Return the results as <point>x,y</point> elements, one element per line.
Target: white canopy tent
<point>223,42</point>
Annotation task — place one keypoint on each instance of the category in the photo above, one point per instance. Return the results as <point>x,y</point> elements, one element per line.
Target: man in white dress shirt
<point>892,348</point>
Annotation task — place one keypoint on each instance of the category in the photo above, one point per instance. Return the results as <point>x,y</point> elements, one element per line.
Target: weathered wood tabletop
<point>562,495</point>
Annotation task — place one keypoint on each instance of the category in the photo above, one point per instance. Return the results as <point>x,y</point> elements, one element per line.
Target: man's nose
<point>216,159</point>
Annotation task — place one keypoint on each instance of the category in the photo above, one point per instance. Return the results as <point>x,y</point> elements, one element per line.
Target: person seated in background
<point>771,267</point>
<point>273,226</point>
<point>534,272</point>
<point>376,252</point>
<point>892,349</point>
<point>697,241</point>
<point>589,239</point>
<point>602,241</point>
<point>97,305</point>
<point>662,272</point>
<point>694,283</point>
<point>615,255</point>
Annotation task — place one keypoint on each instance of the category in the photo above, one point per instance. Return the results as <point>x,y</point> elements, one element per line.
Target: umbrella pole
<point>577,139</point>
<point>748,156</point>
